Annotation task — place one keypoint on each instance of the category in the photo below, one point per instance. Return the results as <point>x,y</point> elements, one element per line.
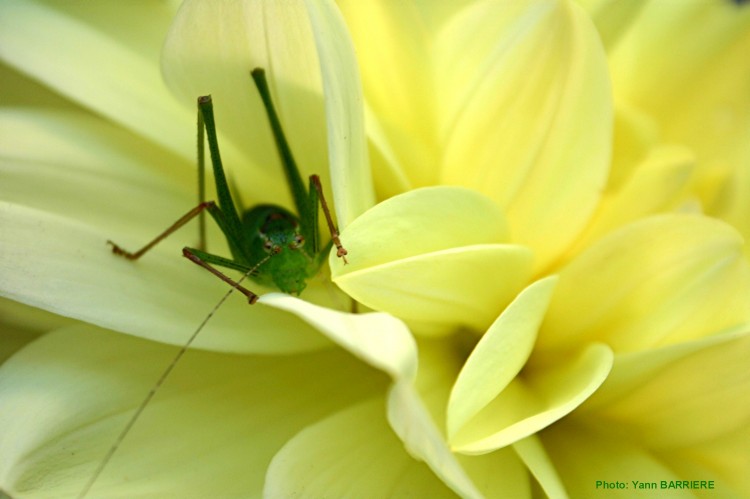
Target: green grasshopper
<point>274,246</point>
<point>269,244</point>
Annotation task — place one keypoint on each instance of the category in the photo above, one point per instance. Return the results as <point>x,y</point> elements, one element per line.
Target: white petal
<point>351,179</point>
<point>353,453</point>
<point>412,423</point>
<point>92,68</point>
<point>379,339</point>
<point>210,431</point>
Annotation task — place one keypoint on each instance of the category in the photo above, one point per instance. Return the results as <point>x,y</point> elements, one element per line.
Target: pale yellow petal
<point>21,324</point>
<point>378,339</point>
<point>679,395</point>
<point>659,281</point>
<point>591,463</point>
<point>395,46</point>
<point>635,134</point>
<point>500,354</point>
<point>69,163</point>
<point>526,115</point>
<point>95,69</point>
<point>410,420</point>
<point>438,292</point>
<point>535,401</point>
<point>351,180</point>
<point>657,185</point>
<point>612,17</point>
<point>685,64</point>
<point>431,257</point>
<point>531,450</point>
<point>211,430</point>
<point>20,89</point>
<point>352,453</point>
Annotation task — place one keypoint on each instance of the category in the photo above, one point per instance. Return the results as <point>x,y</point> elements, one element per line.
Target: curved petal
<point>351,179</point>
<point>395,45</point>
<point>588,458</point>
<point>395,247</point>
<point>421,221</point>
<point>46,43</point>
<point>234,412</point>
<point>686,64</point>
<point>68,162</point>
<point>378,339</point>
<point>469,288</point>
<point>612,18</point>
<point>680,395</point>
<point>412,423</point>
<point>526,114</point>
<point>499,356</point>
<point>21,90</point>
<point>535,401</point>
<point>413,409</point>
<point>20,325</point>
<point>655,186</point>
<point>353,453</point>
<point>655,282</point>
<point>535,457</point>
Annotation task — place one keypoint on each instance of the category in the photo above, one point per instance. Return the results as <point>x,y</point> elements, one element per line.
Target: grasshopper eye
<point>268,246</point>
<point>298,242</point>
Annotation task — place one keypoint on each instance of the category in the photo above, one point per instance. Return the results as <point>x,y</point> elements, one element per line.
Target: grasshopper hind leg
<point>205,260</point>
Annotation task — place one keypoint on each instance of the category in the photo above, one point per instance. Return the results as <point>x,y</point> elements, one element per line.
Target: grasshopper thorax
<point>275,231</point>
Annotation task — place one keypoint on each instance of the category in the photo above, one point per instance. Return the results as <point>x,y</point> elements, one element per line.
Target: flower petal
<point>395,247</point>
<point>535,401</point>
<point>67,162</point>
<point>394,43</point>
<point>470,288</point>
<point>499,474</point>
<point>211,430</point>
<point>656,186</point>
<point>412,423</point>
<point>679,395</point>
<point>586,457</point>
<point>655,282</point>
<point>378,339</point>
<point>499,355</point>
<point>351,179</point>
<point>353,453</point>
<point>65,267</point>
<point>532,451</point>
<point>46,43</point>
<point>612,19</point>
<point>526,115</point>
<point>686,64</point>
<point>20,325</point>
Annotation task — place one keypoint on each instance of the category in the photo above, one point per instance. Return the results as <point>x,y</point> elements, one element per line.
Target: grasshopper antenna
<point>134,418</point>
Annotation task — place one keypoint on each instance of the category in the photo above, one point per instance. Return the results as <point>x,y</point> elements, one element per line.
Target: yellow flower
<point>681,77</point>
<point>564,329</point>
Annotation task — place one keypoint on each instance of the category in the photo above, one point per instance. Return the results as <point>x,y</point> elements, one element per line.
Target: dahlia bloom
<point>542,305</point>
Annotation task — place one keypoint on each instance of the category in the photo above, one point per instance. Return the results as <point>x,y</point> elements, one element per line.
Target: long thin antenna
<point>160,382</point>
